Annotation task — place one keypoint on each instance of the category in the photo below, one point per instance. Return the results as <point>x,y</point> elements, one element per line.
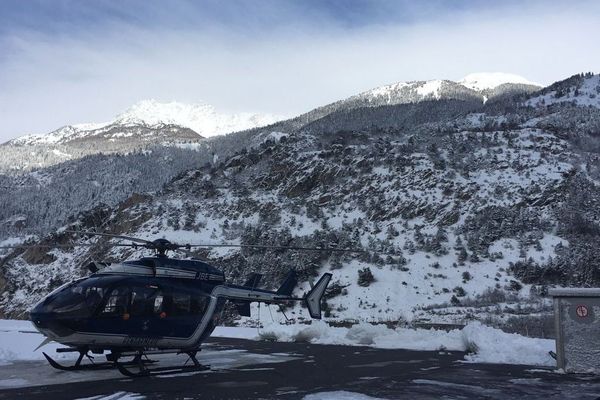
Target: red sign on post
<point>582,311</point>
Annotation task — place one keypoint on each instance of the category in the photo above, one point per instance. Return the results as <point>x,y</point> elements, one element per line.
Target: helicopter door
<point>178,311</point>
<point>144,309</point>
<point>129,310</point>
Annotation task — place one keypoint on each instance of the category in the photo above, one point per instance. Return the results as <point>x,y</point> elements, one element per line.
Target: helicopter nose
<point>49,325</point>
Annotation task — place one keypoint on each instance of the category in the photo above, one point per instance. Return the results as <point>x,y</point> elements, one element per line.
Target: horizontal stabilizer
<point>288,285</point>
<point>313,298</point>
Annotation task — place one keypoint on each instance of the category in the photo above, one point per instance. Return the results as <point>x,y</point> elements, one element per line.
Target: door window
<point>117,303</point>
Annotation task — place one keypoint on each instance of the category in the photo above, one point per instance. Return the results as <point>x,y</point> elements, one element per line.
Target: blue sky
<point>66,61</point>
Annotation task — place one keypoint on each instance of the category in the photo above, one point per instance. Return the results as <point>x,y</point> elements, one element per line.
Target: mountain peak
<point>490,80</point>
<point>200,117</point>
<point>153,112</point>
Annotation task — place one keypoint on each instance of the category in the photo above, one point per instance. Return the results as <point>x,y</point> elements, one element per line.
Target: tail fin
<point>288,285</point>
<point>313,298</point>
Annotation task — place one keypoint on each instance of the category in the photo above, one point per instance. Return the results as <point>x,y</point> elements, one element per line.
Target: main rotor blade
<point>52,246</point>
<point>256,246</point>
<point>111,235</point>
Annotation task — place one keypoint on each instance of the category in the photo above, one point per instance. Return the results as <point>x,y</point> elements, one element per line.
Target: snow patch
<point>430,88</point>
<point>490,80</point>
<point>338,395</point>
<point>116,396</point>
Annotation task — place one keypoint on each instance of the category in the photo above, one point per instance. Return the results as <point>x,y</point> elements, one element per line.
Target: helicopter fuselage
<point>152,303</point>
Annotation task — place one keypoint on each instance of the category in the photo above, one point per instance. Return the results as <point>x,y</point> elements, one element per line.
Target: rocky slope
<point>470,209</point>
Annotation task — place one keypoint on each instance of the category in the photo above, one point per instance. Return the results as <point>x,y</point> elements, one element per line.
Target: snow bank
<point>484,344</point>
<point>494,346</point>
<point>18,340</point>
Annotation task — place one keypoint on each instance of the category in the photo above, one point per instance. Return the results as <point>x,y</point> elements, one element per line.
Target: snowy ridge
<point>471,86</point>
<point>490,80</point>
<point>583,92</point>
<point>405,92</point>
<point>201,118</point>
<point>61,135</point>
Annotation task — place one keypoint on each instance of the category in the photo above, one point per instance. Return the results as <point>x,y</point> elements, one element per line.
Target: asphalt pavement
<point>242,369</point>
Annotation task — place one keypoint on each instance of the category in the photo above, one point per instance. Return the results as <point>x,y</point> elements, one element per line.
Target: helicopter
<point>134,309</point>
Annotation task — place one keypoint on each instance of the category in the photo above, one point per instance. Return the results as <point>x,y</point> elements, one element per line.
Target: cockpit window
<point>77,300</point>
<point>115,297</point>
<point>134,301</point>
<point>158,304</point>
<point>146,300</point>
<point>181,304</point>
<point>117,302</point>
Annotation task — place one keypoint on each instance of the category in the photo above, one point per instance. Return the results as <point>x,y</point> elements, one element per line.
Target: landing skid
<point>137,367</point>
<point>142,370</point>
<point>78,366</point>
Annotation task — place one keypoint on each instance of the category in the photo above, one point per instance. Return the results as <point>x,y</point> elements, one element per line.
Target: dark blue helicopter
<point>154,305</point>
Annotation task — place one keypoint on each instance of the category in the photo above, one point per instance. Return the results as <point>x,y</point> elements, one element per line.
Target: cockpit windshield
<point>79,299</point>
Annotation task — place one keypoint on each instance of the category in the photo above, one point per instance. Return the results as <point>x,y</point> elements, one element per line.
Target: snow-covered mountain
<point>490,80</point>
<point>472,87</point>
<point>580,90</point>
<point>477,207</point>
<point>202,119</point>
<point>147,123</point>
<point>475,88</point>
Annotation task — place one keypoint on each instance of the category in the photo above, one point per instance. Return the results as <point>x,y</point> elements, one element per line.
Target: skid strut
<point>139,362</point>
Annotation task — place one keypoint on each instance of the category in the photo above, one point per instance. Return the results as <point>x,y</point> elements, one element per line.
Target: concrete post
<point>577,322</point>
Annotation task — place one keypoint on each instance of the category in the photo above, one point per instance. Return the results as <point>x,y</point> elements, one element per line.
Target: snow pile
<point>18,340</point>
<point>338,395</point>
<point>494,346</point>
<point>490,80</point>
<point>484,344</point>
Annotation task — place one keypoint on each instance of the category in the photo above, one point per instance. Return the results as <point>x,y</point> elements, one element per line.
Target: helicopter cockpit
<point>112,304</point>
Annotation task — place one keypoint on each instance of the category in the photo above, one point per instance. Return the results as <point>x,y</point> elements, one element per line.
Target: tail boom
<point>244,294</point>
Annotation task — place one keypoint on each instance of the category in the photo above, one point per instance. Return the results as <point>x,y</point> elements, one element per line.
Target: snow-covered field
<point>18,340</point>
